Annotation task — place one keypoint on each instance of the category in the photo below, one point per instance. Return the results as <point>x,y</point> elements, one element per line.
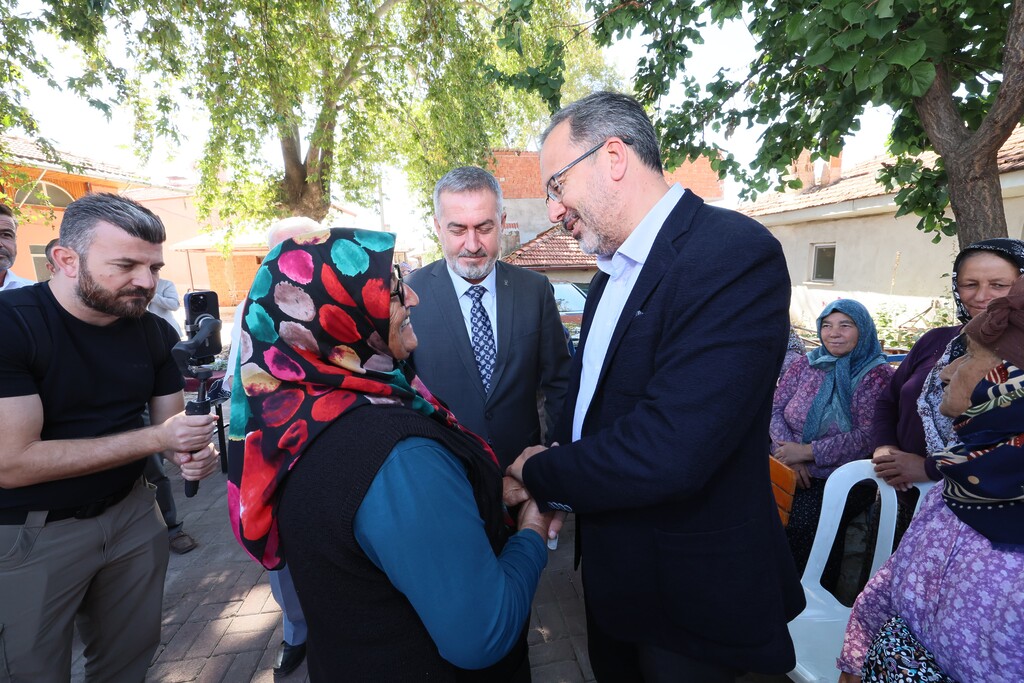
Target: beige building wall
<point>178,214</point>
<point>582,277</point>
<point>882,261</point>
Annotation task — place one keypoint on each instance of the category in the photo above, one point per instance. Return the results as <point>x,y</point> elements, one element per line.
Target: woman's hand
<point>513,492</point>
<point>848,678</point>
<point>898,468</point>
<point>530,517</point>
<point>790,453</point>
<point>803,475</point>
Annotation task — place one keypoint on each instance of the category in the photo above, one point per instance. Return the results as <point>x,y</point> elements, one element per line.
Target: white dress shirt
<point>12,281</point>
<point>623,268</point>
<point>165,301</point>
<point>489,301</point>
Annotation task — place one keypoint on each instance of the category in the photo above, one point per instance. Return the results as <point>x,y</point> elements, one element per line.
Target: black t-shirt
<point>92,380</point>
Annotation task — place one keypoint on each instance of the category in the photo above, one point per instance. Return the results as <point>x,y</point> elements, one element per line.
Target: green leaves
<point>819,63</point>
<point>907,53</point>
<point>923,191</point>
<point>919,78</point>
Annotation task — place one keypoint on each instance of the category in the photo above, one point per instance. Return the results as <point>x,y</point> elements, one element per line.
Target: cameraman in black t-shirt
<point>81,538</point>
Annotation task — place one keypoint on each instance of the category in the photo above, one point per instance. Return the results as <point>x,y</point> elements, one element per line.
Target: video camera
<point>195,357</point>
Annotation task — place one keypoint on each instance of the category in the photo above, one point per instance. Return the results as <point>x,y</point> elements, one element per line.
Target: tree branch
<point>939,115</point>
<point>291,151</point>
<point>1008,107</point>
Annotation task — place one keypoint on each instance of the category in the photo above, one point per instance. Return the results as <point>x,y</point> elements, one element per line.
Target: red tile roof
<point>859,182</point>
<point>26,152</point>
<point>553,248</point>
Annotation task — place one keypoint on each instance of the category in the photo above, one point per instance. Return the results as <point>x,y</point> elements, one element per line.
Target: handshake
<point>514,493</point>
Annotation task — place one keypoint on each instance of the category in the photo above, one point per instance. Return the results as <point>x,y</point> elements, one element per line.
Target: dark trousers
<point>617,661</point>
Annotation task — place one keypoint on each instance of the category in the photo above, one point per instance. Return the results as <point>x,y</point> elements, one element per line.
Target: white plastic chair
<point>818,631</point>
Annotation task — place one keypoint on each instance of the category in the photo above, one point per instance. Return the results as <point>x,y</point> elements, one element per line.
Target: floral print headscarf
<point>314,346</point>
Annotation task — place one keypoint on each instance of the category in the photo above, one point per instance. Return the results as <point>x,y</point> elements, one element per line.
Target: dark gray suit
<point>532,356</point>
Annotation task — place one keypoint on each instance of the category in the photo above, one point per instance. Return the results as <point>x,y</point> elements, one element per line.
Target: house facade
<point>41,189</point>
<point>842,239</point>
<point>555,253</point>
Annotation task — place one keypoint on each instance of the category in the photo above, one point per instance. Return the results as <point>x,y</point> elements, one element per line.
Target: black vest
<point>361,628</point>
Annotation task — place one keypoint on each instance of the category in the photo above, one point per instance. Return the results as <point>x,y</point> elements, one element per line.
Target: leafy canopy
<point>338,88</point>
<point>819,63</point>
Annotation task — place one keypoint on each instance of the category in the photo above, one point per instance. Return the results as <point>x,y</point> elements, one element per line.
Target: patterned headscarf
<point>984,474</point>
<point>314,346</point>
<point>843,373</point>
<point>1011,250</point>
<point>938,429</point>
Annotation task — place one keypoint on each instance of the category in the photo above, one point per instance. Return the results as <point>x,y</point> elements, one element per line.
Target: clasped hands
<point>514,493</point>
<point>796,456</point>
<point>899,469</point>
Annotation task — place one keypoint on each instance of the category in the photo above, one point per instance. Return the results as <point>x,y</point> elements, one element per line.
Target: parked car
<point>570,298</point>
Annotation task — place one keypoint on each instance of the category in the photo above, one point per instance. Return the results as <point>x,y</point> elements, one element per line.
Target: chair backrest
<point>783,486</point>
<point>837,488</point>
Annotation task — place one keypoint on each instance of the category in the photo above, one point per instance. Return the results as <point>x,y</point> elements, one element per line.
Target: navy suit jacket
<point>533,357</point>
<point>680,536</point>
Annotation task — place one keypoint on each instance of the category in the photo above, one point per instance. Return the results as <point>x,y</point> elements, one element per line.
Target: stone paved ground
<point>221,624</point>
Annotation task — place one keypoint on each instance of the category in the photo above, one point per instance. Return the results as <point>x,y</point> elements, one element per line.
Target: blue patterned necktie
<point>483,336</point>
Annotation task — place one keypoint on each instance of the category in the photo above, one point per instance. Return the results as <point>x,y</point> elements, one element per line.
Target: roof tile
<point>25,151</point>
<point>553,248</point>
<point>859,182</point>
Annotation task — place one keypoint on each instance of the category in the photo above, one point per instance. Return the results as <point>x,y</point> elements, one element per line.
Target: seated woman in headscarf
<point>949,604</point>
<point>822,413</point>
<point>388,512</point>
<point>908,424</point>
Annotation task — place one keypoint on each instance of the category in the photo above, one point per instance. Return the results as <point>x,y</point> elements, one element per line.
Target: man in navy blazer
<point>686,571</point>
<point>531,359</point>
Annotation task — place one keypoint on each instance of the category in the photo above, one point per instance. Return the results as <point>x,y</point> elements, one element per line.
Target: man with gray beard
<point>490,338</point>
<point>9,250</point>
<point>81,538</point>
<point>491,344</point>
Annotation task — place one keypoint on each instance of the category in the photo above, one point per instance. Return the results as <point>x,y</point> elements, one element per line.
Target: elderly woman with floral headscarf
<point>949,604</point>
<point>822,413</point>
<point>908,424</point>
<point>389,512</point>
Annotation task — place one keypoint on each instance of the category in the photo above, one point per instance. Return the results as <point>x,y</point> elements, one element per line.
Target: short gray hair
<point>81,216</point>
<point>467,179</point>
<point>9,212</point>
<point>605,114</point>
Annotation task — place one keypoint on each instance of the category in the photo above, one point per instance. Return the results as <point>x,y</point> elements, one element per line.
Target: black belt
<point>10,517</point>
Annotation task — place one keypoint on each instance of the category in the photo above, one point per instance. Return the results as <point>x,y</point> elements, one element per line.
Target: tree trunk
<point>975,194</point>
<point>976,198</point>
<point>301,194</point>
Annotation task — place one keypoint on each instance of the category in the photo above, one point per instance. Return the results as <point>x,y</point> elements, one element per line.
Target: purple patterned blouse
<point>793,398</point>
<point>963,599</point>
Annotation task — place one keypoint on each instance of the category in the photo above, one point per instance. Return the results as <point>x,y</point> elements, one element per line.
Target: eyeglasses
<point>399,290</point>
<point>555,186</point>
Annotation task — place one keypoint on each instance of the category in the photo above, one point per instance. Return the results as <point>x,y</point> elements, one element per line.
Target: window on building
<point>38,252</point>
<point>823,268</point>
<point>41,193</point>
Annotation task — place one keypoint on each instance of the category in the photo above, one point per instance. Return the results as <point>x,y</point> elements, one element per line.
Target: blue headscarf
<point>842,374</point>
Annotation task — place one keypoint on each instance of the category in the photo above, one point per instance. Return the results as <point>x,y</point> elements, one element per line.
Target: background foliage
<point>952,70</point>
<point>341,88</point>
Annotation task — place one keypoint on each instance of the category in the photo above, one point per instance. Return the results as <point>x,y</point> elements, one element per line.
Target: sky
<point>732,47</point>
<point>76,127</point>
